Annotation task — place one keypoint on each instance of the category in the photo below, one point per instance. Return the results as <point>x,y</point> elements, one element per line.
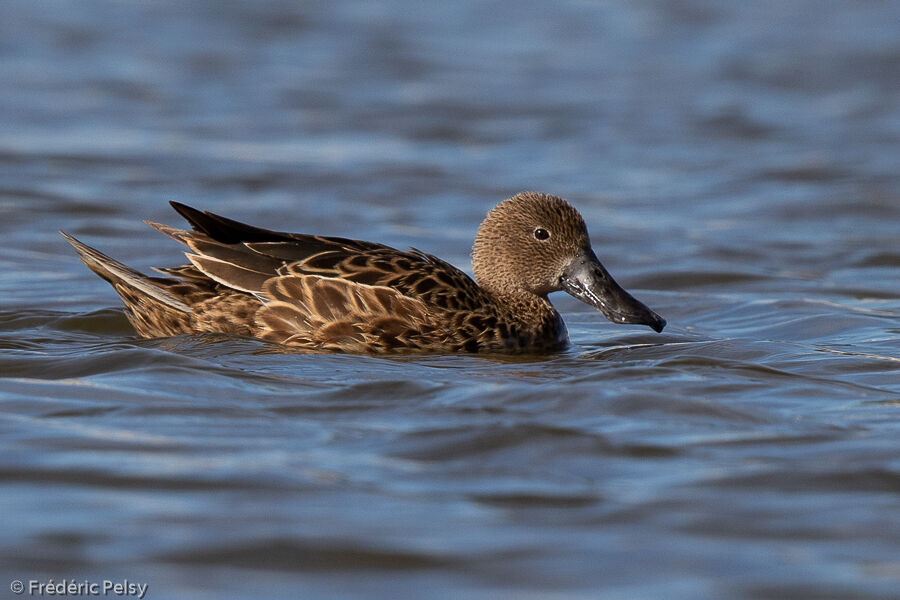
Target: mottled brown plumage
<point>335,294</point>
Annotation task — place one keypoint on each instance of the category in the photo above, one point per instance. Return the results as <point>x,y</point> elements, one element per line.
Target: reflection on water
<point>736,166</point>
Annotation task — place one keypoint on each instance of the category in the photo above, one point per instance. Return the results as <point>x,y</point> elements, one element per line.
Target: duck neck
<point>533,317</point>
<point>525,307</point>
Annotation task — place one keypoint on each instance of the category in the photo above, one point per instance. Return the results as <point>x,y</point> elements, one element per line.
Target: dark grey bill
<point>586,279</point>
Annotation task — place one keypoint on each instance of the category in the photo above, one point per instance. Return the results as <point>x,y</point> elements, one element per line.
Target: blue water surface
<point>736,163</point>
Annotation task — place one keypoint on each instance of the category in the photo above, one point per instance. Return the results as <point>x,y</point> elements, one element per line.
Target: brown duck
<point>334,294</point>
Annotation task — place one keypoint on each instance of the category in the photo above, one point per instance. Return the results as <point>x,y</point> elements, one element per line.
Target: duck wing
<point>245,258</point>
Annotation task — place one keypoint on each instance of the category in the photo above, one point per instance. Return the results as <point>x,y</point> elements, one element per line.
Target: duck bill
<point>586,279</point>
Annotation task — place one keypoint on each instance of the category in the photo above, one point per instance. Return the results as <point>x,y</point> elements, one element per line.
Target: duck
<point>332,294</point>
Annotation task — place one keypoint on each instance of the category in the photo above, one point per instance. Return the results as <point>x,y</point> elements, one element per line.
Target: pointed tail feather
<point>118,274</point>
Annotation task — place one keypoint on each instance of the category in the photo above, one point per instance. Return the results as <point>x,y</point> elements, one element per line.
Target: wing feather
<point>229,274</point>
<point>242,257</point>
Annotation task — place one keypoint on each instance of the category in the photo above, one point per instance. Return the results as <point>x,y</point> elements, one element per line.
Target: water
<point>736,165</point>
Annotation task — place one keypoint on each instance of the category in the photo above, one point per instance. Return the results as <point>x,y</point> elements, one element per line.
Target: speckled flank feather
<point>335,294</point>
<point>335,314</point>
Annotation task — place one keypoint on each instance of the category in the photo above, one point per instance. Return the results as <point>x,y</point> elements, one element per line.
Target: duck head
<point>535,244</point>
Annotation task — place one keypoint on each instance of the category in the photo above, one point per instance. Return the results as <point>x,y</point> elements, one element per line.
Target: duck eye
<point>541,234</point>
